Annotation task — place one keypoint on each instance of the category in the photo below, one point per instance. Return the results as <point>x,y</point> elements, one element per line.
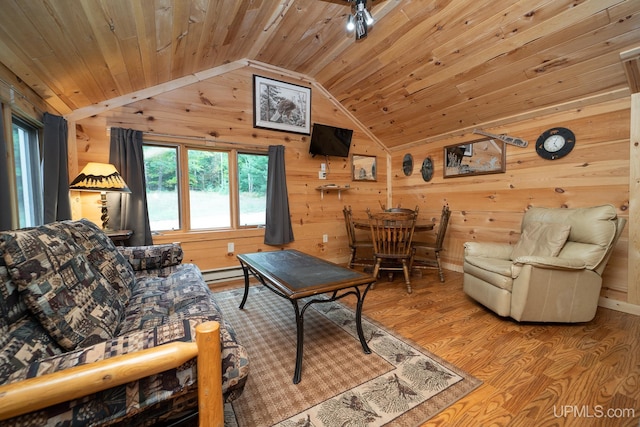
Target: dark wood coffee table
<point>293,275</point>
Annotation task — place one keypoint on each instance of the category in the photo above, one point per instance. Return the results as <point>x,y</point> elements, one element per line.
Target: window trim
<point>183,193</point>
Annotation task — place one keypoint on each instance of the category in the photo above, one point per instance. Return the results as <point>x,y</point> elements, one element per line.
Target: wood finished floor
<point>534,374</point>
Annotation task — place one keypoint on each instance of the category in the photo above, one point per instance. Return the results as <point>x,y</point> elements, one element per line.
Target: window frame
<point>34,153</point>
<point>184,210</point>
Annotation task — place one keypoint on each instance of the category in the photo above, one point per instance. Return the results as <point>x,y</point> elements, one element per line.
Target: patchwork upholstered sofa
<point>69,297</point>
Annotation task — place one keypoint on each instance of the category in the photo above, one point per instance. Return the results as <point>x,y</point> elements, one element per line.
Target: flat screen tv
<point>330,141</point>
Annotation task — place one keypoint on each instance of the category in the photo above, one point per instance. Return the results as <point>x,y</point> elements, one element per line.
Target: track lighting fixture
<point>360,19</point>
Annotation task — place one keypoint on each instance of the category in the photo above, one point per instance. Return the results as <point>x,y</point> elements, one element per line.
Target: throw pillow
<point>104,256</point>
<point>541,239</point>
<point>70,298</point>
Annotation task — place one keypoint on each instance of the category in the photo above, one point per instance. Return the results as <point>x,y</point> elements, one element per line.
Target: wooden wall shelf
<point>329,187</point>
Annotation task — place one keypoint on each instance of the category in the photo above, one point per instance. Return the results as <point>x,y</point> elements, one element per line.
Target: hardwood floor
<point>534,374</point>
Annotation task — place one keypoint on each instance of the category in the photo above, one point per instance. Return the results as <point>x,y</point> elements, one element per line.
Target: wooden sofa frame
<point>50,389</point>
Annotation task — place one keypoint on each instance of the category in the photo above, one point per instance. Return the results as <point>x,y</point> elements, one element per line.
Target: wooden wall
<point>484,208</point>
<point>220,108</point>
<point>490,207</point>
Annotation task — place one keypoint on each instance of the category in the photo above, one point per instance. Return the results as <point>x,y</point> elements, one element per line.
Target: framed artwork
<point>482,156</point>
<point>363,168</point>
<point>281,106</point>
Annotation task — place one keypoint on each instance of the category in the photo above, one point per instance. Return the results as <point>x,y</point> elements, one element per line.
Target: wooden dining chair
<point>427,254</point>
<point>356,242</point>
<point>392,234</point>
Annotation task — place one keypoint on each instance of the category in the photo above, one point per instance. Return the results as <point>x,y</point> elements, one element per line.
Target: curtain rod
<point>210,142</point>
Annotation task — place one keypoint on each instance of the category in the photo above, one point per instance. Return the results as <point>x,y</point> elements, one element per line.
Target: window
<point>161,174</point>
<point>192,188</point>
<point>26,156</point>
<point>252,183</point>
<point>209,201</point>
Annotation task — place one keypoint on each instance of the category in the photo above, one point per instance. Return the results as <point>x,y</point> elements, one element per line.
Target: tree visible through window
<point>252,183</point>
<point>208,196</point>
<point>161,174</point>
<point>209,202</point>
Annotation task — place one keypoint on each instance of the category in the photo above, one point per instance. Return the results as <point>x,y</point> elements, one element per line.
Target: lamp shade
<point>99,177</point>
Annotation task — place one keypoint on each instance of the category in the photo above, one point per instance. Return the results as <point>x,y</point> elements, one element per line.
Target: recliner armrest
<point>553,263</point>
<point>488,249</point>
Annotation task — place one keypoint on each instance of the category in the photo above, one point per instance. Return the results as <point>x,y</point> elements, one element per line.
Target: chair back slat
<point>392,232</point>
<point>442,227</point>
<point>348,222</point>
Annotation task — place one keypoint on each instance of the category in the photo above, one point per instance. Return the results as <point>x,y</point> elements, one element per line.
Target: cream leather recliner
<point>553,273</point>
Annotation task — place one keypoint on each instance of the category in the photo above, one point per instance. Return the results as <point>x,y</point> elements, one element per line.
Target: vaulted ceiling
<point>427,68</point>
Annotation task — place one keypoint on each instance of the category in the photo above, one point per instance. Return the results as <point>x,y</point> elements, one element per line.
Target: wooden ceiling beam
<point>631,64</point>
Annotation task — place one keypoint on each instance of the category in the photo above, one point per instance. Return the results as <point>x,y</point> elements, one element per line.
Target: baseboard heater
<point>218,275</point>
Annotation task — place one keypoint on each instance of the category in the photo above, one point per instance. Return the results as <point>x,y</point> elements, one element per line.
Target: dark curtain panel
<point>5,191</point>
<point>278,228</point>
<point>129,211</point>
<point>55,175</point>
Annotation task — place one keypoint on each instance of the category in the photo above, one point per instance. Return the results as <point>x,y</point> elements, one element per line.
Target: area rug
<point>398,384</point>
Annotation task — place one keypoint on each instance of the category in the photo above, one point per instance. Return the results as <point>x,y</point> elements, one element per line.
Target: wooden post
<point>210,405</point>
<point>37,393</point>
<point>633,280</point>
<point>40,392</point>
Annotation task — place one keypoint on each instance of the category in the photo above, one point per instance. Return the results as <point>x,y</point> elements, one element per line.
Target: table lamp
<point>100,177</point>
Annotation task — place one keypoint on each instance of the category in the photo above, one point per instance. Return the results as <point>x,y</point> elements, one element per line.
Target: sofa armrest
<point>488,249</point>
<point>152,257</point>
<point>37,393</point>
<point>553,263</point>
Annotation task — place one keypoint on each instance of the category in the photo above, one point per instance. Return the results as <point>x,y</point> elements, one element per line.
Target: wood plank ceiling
<point>427,68</point>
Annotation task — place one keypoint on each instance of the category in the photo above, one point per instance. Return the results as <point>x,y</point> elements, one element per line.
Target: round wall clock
<point>427,169</point>
<point>555,143</point>
<point>407,164</point>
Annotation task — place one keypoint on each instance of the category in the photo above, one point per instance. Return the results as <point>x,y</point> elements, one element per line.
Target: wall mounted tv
<point>330,141</point>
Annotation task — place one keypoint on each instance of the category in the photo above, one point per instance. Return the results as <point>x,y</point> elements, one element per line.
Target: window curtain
<point>5,190</point>
<point>129,211</point>
<point>278,228</point>
<point>55,175</point>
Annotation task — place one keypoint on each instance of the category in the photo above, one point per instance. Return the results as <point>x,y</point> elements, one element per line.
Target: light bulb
<point>350,23</point>
<point>369,18</point>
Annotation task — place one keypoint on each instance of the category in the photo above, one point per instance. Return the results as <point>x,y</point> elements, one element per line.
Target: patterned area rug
<point>399,384</point>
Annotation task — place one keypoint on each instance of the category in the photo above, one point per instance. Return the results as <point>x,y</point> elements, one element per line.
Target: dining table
<point>419,227</point>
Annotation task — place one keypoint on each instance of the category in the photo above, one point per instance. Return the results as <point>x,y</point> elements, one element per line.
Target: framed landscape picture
<point>281,106</point>
<point>482,156</point>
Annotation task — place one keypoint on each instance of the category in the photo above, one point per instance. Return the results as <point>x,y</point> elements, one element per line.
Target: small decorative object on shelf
<point>328,187</point>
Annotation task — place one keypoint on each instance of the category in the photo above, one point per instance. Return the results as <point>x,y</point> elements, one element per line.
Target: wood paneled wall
<point>484,208</point>
<point>221,109</point>
<point>490,207</point>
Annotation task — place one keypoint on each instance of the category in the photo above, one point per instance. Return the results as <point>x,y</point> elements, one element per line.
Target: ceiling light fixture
<point>360,20</point>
